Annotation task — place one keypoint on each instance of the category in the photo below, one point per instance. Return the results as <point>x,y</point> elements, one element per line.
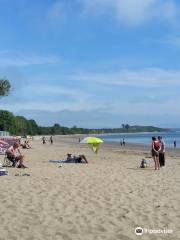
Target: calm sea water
<point>144,138</point>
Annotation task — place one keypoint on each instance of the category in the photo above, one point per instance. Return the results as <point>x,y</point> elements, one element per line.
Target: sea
<point>143,138</point>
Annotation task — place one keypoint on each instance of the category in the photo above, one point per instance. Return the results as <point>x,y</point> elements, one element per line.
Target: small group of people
<point>122,142</point>
<point>158,152</point>
<point>50,140</point>
<point>25,144</point>
<point>14,155</point>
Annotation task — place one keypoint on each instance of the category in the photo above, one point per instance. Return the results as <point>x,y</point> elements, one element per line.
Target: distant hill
<point>133,129</point>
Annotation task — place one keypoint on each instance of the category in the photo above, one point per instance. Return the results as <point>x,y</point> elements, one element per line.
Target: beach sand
<point>103,200</point>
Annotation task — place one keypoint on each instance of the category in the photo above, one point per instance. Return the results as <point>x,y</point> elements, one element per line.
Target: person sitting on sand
<point>76,159</point>
<point>15,156</point>
<point>28,144</point>
<point>25,145</point>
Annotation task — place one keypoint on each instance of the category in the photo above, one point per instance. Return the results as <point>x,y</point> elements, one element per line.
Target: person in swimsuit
<point>156,147</point>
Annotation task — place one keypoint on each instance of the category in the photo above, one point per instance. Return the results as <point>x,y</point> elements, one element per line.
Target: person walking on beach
<point>156,147</point>
<point>124,142</point>
<point>51,139</point>
<point>175,143</point>
<point>43,140</point>
<point>161,152</point>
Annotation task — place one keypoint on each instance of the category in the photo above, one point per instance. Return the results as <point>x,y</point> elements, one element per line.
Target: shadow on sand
<point>142,169</point>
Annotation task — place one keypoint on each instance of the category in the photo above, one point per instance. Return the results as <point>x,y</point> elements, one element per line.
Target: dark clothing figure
<point>43,140</point>
<point>143,163</point>
<point>123,142</point>
<point>162,159</point>
<point>174,143</point>
<point>51,139</point>
<point>76,159</point>
<point>161,152</point>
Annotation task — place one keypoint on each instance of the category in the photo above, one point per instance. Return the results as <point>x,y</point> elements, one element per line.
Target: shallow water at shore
<point>143,138</point>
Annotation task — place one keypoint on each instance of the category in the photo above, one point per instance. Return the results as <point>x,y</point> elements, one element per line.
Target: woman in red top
<point>156,147</point>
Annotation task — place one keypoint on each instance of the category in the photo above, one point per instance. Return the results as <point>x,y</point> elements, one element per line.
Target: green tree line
<point>19,125</point>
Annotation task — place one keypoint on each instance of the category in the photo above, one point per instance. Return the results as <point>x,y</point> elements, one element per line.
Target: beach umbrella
<point>93,142</point>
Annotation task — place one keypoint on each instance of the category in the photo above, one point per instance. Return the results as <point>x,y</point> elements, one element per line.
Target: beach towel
<point>64,161</point>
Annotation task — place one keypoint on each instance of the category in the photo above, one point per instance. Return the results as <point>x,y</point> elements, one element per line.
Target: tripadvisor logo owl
<point>139,231</point>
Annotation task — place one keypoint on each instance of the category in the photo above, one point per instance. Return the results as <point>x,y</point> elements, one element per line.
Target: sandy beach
<point>105,199</point>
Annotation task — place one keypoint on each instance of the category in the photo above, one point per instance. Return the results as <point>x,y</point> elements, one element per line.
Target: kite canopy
<point>93,142</point>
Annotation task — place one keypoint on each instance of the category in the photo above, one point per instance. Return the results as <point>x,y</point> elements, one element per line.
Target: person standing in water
<point>175,143</point>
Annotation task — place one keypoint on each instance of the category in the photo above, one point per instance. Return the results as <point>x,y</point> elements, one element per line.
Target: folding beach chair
<point>6,161</point>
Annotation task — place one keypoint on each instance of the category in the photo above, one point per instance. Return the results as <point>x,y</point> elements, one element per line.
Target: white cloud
<point>133,12</point>
<point>78,105</point>
<point>156,93</point>
<point>50,97</point>
<point>55,90</point>
<point>18,59</point>
<point>57,11</point>
<point>146,108</point>
<point>150,77</point>
<point>127,12</point>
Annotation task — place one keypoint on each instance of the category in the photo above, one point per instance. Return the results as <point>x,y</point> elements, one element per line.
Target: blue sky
<point>92,63</point>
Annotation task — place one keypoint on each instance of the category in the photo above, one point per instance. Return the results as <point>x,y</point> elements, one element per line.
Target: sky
<point>92,63</point>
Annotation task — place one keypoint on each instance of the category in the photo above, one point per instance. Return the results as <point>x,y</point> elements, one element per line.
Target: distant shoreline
<point>74,139</point>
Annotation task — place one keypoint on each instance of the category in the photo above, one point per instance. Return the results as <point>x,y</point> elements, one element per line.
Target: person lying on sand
<point>76,158</point>
<point>15,156</point>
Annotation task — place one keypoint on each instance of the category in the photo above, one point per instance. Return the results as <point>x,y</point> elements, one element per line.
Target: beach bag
<point>3,171</point>
<point>143,163</point>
